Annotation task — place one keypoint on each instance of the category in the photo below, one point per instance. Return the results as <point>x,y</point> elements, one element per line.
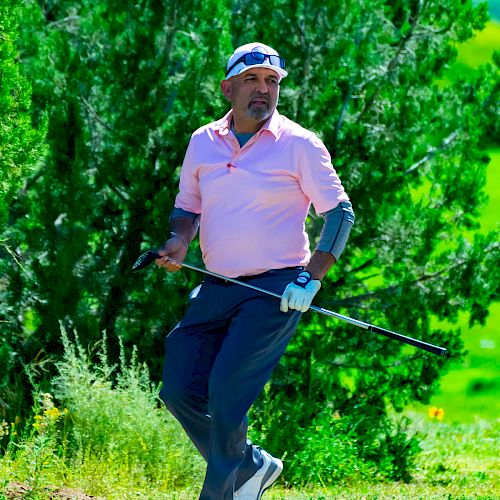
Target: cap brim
<point>241,68</point>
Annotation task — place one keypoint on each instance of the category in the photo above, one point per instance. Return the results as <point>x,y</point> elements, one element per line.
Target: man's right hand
<point>173,252</point>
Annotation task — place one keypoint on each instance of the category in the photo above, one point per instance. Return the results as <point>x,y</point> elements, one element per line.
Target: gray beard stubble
<point>259,114</point>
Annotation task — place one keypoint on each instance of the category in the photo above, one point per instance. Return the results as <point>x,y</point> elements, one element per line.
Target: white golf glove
<point>300,293</point>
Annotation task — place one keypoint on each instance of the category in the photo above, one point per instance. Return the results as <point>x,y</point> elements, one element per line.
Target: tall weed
<point>102,428</point>
<point>117,418</point>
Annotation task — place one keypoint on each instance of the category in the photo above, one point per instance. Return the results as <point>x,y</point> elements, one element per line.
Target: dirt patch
<point>15,491</point>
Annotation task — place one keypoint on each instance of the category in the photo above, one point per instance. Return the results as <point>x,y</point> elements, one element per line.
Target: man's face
<point>253,93</point>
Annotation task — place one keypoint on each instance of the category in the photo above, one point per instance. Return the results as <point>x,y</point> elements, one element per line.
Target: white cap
<point>250,48</point>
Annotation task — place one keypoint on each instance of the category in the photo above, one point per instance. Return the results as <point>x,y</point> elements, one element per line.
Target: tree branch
<point>442,31</point>
<point>375,366</point>
<point>432,152</point>
<point>384,292</point>
<point>96,116</point>
<point>394,61</point>
<point>341,119</point>
<point>342,280</point>
<point>67,19</point>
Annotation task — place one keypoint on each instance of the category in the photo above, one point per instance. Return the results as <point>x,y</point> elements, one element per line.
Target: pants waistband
<point>271,272</point>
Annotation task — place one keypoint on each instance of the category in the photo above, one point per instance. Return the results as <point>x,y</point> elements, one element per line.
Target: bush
<point>362,443</point>
<point>109,430</point>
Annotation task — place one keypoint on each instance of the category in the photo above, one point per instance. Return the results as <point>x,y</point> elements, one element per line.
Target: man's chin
<point>259,114</point>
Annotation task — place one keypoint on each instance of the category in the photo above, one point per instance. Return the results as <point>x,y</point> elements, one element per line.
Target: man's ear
<point>225,86</point>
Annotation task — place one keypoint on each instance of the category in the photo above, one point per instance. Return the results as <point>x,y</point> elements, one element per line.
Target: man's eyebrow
<point>249,73</point>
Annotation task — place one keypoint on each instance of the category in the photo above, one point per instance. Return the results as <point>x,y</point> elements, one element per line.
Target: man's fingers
<point>304,306</point>
<point>297,302</point>
<point>284,301</point>
<point>168,263</point>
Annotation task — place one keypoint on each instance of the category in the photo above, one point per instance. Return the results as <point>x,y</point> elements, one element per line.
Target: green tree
<point>123,86</point>
<point>21,147</point>
<point>20,142</point>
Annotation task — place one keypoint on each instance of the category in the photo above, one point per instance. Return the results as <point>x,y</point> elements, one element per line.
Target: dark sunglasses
<point>253,58</point>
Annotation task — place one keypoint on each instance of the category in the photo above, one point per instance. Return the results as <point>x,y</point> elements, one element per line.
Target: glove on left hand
<point>299,294</point>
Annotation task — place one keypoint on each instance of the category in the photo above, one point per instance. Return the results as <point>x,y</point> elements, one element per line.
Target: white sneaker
<point>261,480</point>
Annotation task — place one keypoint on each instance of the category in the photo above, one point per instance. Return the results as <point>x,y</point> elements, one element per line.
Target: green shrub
<point>103,429</point>
<point>328,453</point>
<point>362,443</point>
<point>122,421</point>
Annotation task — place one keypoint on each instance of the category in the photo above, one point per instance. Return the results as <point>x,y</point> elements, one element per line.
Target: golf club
<point>148,257</point>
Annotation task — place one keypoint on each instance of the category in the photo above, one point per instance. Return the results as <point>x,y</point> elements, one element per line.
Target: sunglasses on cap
<point>253,58</point>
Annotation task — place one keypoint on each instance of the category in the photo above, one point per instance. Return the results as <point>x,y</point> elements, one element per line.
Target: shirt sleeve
<point>317,177</point>
<point>189,196</point>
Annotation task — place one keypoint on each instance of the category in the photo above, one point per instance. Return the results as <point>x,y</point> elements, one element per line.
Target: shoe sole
<point>270,477</point>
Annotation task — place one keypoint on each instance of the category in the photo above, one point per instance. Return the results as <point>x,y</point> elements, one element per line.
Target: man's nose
<point>262,86</point>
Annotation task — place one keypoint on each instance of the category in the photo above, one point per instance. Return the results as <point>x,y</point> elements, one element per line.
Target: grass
<point>479,49</point>
<point>458,461</point>
<point>108,436</point>
<point>470,390</point>
<point>121,446</point>
<point>475,52</point>
<point>490,219</point>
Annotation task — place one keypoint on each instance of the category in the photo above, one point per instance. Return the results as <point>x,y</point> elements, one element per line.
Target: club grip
<point>440,351</point>
<point>144,260</point>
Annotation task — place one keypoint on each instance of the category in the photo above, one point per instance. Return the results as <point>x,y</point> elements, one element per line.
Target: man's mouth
<point>259,101</point>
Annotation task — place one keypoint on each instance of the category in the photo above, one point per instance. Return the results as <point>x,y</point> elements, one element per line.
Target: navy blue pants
<point>217,361</point>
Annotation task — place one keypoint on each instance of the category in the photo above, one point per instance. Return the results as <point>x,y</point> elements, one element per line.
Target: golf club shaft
<point>367,326</point>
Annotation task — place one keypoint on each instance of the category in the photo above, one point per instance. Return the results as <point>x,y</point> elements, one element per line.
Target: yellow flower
<point>435,412</point>
<point>53,413</point>
<point>39,425</point>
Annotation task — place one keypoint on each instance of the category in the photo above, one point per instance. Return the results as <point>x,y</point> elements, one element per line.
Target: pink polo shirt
<point>253,200</point>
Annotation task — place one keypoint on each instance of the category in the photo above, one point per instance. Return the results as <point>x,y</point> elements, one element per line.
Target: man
<point>247,181</point>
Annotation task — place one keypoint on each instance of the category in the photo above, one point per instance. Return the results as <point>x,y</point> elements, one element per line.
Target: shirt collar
<point>223,126</point>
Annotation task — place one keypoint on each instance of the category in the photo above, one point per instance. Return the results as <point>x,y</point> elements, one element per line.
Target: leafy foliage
<point>20,142</point>
<point>124,85</point>
<point>21,147</point>
<point>111,431</point>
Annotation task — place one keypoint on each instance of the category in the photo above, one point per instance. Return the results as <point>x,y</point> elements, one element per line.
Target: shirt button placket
<point>236,149</point>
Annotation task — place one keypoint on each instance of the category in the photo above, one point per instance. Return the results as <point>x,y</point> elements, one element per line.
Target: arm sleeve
<point>336,229</point>
<point>179,212</point>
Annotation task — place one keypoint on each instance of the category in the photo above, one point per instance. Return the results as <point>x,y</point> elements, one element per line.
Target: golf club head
<point>144,260</point>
